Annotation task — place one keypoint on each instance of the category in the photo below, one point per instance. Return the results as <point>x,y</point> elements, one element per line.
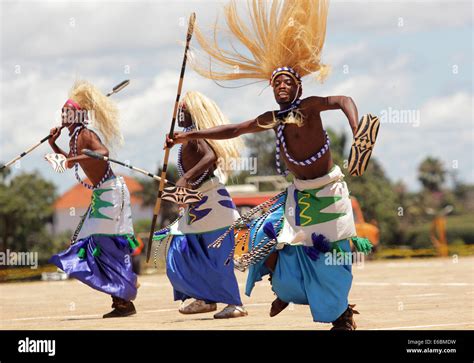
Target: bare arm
<point>346,104</point>
<point>223,132</point>
<point>72,161</point>
<point>204,164</point>
<point>91,141</point>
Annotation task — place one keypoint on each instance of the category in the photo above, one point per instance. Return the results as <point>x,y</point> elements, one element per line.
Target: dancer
<point>195,271</point>
<point>314,215</point>
<point>100,252</point>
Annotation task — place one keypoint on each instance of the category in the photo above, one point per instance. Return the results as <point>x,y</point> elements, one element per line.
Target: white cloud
<point>446,131</point>
<point>337,55</point>
<point>107,36</point>
<point>391,16</point>
<point>53,29</point>
<point>449,113</point>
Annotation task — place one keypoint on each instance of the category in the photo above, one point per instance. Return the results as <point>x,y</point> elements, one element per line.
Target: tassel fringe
<point>362,245</point>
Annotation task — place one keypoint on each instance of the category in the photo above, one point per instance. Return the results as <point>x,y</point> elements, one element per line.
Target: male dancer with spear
<point>194,270</point>
<point>100,255</point>
<point>314,214</point>
<point>159,198</point>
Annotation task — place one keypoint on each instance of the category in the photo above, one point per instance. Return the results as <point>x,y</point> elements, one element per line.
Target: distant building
<point>70,206</point>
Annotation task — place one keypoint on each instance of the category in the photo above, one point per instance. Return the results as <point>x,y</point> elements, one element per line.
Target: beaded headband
<point>288,71</point>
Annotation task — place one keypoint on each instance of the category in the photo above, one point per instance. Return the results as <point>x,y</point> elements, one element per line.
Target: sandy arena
<point>430,293</point>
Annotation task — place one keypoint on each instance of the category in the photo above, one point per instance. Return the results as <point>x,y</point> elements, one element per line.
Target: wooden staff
<point>156,210</point>
<point>116,89</point>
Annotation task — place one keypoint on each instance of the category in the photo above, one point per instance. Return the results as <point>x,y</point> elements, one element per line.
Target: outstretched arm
<point>222,132</point>
<point>346,104</point>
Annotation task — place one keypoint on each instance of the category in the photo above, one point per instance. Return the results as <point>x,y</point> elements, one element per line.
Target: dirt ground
<point>430,293</point>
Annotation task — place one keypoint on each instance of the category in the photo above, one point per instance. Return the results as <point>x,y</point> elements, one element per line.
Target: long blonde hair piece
<point>288,33</point>
<point>206,114</point>
<point>104,113</point>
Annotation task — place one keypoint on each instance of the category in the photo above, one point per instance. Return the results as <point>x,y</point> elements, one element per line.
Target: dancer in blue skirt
<point>194,270</point>
<point>303,238</point>
<point>100,252</point>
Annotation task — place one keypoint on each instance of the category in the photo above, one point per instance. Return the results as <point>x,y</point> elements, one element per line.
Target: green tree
<point>431,174</point>
<point>4,174</point>
<point>374,191</point>
<point>378,201</point>
<point>262,147</point>
<point>26,205</point>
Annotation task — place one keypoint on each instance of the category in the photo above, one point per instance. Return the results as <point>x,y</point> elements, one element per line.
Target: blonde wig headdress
<point>206,114</point>
<point>104,113</point>
<point>288,33</point>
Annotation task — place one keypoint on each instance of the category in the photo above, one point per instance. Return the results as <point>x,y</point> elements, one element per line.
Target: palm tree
<point>432,174</point>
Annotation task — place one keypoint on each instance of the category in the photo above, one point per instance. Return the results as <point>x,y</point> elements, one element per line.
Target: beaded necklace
<point>280,141</point>
<point>108,172</point>
<point>180,163</point>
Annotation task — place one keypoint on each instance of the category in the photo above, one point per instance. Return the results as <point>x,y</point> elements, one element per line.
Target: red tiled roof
<point>78,196</point>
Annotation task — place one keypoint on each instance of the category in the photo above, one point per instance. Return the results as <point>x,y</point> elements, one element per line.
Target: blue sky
<point>400,56</point>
